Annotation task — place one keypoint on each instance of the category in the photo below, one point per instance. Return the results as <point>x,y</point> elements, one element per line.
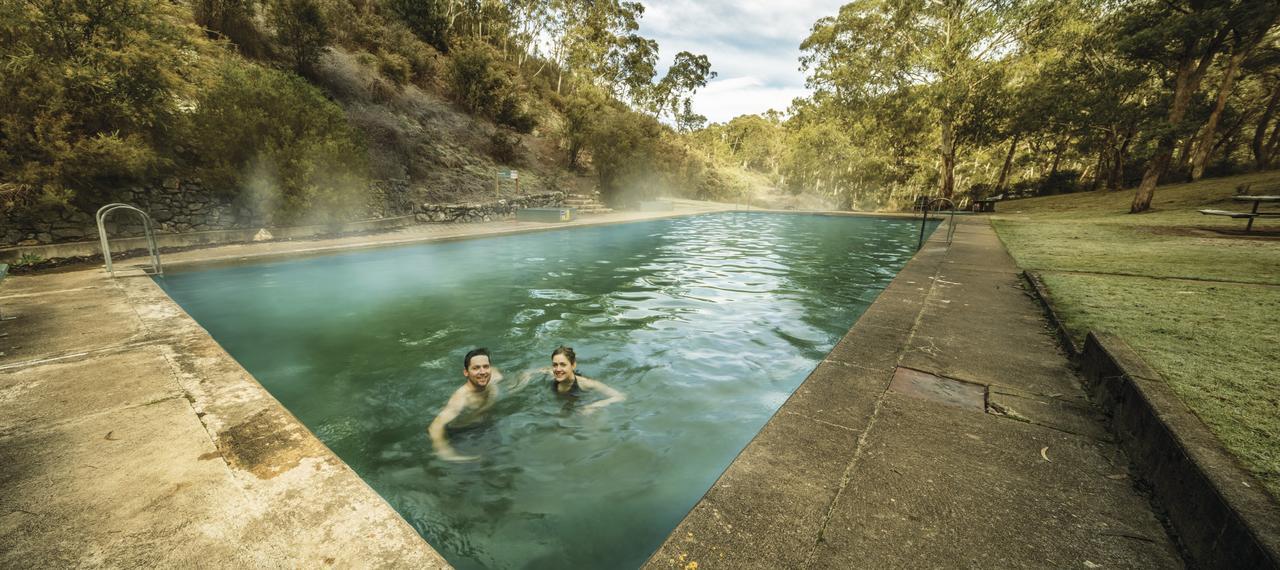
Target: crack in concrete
<point>823,422</point>
<point>44,293</point>
<point>128,345</point>
<point>845,477</point>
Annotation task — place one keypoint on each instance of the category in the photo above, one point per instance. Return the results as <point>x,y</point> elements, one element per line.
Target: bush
<point>485,85</point>
<point>87,95</point>
<point>504,146</point>
<point>274,140</point>
<point>301,31</point>
<point>1060,182</point>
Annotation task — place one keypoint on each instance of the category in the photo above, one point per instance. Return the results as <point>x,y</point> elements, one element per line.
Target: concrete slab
<point>72,389</point>
<point>939,487</point>
<point>89,315</point>
<point>106,492</point>
<point>736,525</point>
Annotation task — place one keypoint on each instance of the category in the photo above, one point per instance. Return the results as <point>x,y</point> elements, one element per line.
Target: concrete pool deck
<point>128,438</point>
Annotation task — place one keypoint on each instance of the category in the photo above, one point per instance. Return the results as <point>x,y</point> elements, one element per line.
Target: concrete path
<point>946,430</point>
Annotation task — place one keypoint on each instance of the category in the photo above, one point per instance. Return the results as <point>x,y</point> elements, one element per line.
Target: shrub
<point>485,85</point>
<point>273,133</point>
<point>301,31</point>
<point>87,94</point>
<point>504,146</point>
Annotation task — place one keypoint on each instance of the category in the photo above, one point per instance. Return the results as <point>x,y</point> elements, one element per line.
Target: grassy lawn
<point>1203,308</point>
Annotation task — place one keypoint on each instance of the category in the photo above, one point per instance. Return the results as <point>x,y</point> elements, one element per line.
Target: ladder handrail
<point>148,231</point>
<point>924,219</point>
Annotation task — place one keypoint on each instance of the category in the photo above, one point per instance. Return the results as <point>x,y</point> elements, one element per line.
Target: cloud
<point>754,47</point>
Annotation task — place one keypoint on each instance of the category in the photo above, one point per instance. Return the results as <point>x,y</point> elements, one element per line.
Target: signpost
<point>513,175</point>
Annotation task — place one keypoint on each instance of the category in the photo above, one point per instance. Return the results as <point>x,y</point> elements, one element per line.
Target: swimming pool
<point>707,323</point>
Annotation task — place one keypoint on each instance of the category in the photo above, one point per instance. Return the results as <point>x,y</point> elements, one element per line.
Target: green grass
<point>1202,308</point>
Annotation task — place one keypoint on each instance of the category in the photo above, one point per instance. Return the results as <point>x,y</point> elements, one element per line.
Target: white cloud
<point>753,45</point>
<point>721,103</point>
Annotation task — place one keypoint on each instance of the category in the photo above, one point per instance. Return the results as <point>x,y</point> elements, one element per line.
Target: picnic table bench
<point>985,205</point>
<point>1250,215</point>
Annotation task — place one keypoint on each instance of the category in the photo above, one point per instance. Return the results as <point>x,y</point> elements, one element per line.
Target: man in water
<point>476,395</point>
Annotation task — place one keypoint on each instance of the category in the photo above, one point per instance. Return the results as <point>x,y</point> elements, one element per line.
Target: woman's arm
<point>611,395</point>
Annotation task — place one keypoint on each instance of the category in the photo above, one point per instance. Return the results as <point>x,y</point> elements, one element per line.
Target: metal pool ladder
<point>924,219</point>
<point>147,228</point>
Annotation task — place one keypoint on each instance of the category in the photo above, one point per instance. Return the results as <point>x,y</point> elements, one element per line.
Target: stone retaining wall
<point>463,213</point>
<point>177,206</point>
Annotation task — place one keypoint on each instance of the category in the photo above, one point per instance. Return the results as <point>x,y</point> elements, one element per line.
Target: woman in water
<point>564,365</point>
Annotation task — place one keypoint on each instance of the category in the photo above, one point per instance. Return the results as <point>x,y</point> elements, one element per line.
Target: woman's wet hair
<point>567,351</point>
<point>466,360</point>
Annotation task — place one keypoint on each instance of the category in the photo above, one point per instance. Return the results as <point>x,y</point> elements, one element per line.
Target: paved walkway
<point>946,430</point>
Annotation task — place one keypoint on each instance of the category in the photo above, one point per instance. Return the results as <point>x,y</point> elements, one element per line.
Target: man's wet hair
<point>567,351</point>
<point>466,360</point>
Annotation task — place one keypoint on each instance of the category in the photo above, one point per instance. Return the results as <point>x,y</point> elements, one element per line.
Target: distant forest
<point>959,99</point>
<point>964,99</point>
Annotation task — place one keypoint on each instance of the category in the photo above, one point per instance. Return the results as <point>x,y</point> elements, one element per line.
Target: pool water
<point>706,323</point>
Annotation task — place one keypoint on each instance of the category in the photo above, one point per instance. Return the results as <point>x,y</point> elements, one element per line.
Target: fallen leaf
<point>1044,452</point>
<point>1118,476</point>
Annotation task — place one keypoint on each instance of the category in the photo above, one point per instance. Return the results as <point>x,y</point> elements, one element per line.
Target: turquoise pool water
<point>706,323</point>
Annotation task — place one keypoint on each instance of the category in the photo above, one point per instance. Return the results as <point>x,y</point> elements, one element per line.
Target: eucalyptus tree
<point>1178,41</point>
<point>1249,25</point>
<point>673,95</point>
<point>942,54</point>
<point>1265,85</point>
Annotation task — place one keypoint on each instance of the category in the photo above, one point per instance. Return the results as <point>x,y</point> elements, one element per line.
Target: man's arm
<point>611,395</point>
<point>524,377</point>
<point>436,430</point>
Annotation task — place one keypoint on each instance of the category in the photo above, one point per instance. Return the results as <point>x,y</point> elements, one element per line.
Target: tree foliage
<point>970,98</point>
<point>89,92</point>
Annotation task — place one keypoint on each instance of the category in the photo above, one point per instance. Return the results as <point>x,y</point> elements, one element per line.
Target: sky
<point>754,46</point>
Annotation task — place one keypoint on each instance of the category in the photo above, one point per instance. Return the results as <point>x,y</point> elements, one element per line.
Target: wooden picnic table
<point>1251,214</point>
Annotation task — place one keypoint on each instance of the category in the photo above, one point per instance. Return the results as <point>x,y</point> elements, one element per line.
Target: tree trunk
<point>1058,147</point>
<point>1205,147</point>
<point>1272,143</point>
<point>1115,178</point>
<point>1008,163</point>
<point>1184,153</point>
<point>948,157</point>
<point>1187,81</point>
<point>1260,157</point>
<point>1099,173</point>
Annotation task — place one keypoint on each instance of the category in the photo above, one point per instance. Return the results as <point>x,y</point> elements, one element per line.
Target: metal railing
<point>926,205</point>
<point>147,228</point>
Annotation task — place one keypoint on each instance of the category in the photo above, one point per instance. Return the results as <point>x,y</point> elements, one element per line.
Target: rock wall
<point>176,206</point>
<point>464,213</point>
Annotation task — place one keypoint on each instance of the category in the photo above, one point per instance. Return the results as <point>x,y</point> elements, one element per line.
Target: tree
<point>89,90</point>
<point>673,95</point>
<point>940,54</point>
<point>1249,26</point>
<point>301,31</point>
<point>1178,40</point>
